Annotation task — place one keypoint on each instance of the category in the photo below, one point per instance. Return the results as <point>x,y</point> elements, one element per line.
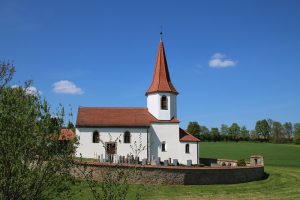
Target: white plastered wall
<point>169,133</point>
<point>154,106</point>
<point>188,156</point>
<point>88,149</point>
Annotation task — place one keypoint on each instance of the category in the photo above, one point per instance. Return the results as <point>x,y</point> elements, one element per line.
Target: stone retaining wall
<point>177,175</point>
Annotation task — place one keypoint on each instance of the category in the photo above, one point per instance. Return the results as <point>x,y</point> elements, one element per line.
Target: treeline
<point>266,130</point>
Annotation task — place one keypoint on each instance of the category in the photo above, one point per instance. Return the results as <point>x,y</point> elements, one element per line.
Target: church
<point>151,132</point>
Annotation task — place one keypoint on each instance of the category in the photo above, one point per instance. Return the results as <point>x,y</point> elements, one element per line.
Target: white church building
<point>150,132</point>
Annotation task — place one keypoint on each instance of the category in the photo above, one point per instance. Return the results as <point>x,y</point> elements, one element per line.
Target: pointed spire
<point>161,79</point>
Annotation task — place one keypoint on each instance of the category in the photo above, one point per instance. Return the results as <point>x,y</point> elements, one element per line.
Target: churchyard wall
<point>175,175</point>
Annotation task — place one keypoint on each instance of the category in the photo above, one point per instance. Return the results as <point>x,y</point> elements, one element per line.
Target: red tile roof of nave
<point>185,136</point>
<point>66,134</point>
<point>161,79</point>
<point>116,117</point>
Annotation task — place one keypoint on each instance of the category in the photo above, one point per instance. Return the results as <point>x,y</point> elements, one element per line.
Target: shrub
<point>241,162</point>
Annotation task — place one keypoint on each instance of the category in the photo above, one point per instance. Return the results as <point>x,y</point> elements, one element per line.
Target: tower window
<point>96,137</point>
<point>127,137</point>
<point>164,103</point>
<point>163,146</point>
<point>187,148</point>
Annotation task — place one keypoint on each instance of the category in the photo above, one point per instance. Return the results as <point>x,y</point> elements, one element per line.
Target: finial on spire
<point>161,33</point>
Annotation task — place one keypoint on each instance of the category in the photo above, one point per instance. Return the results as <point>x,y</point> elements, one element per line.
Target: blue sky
<point>231,61</point>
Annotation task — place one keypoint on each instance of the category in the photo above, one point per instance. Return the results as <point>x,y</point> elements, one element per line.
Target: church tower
<point>161,95</point>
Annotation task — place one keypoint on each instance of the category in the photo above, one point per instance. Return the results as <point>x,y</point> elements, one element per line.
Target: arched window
<point>96,137</point>
<point>164,103</point>
<point>163,146</point>
<point>187,148</point>
<point>127,137</point>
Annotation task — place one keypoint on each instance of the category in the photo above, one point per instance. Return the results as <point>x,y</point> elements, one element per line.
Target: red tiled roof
<point>161,79</point>
<point>66,134</point>
<point>116,117</point>
<point>185,136</point>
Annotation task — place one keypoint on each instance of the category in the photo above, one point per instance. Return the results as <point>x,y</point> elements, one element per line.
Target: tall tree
<point>244,133</point>
<point>71,126</point>
<point>234,131</point>
<point>224,132</point>
<point>253,135</point>
<point>204,134</point>
<point>297,133</point>
<point>32,165</point>
<point>288,130</point>
<point>270,123</point>
<point>194,129</point>
<point>215,134</point>
<point>7,71</point>
<point>277,132</point>
<point>263,129</point>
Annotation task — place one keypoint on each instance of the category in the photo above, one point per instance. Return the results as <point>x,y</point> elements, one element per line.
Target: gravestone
<point>157,161</point>
<point>165,162</point>
<point>115,158</point>
<point>175,162</point>
<point>189,163</point>
<point>144,161</point>
<point>153,161</point>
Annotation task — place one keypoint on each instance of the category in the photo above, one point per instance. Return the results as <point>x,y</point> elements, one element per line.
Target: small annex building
<point>150,132</point>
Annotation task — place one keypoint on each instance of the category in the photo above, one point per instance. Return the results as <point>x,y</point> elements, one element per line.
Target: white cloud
<point>30,90</point>
<point>66,87</point>
<point>219,60</point>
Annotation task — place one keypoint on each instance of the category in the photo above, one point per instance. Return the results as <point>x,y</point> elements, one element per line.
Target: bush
<point>241,162</point>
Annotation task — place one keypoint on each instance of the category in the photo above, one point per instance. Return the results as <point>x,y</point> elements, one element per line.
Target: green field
<point>282,162</point>
<point>274,154</point>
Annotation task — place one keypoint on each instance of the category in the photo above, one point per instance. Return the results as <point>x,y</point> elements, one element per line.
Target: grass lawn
<point>274,154</point>
<point>282,162</point>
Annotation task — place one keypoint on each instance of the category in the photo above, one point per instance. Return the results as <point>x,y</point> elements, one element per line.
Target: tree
<point>297,133</point>
<point>288,130</point>
<point>244,134</point>
<point>194,129</point>
<point>253,135</point>
<point>71,126</point>
<point>277,131</point>
<point>32,165</point>
<point>270,123</point>
<point>263,129</point>
<point>234,131</point>
<point>215,134</point>
<point>204,134</point>
<point>224,132</point>
<point>7,71</point>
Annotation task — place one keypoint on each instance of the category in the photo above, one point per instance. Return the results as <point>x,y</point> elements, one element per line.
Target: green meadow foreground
<point>282,163</point>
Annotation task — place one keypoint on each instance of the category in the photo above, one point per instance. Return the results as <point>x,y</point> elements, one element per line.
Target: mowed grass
<point>282,163</point>
<point>274,154</point>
